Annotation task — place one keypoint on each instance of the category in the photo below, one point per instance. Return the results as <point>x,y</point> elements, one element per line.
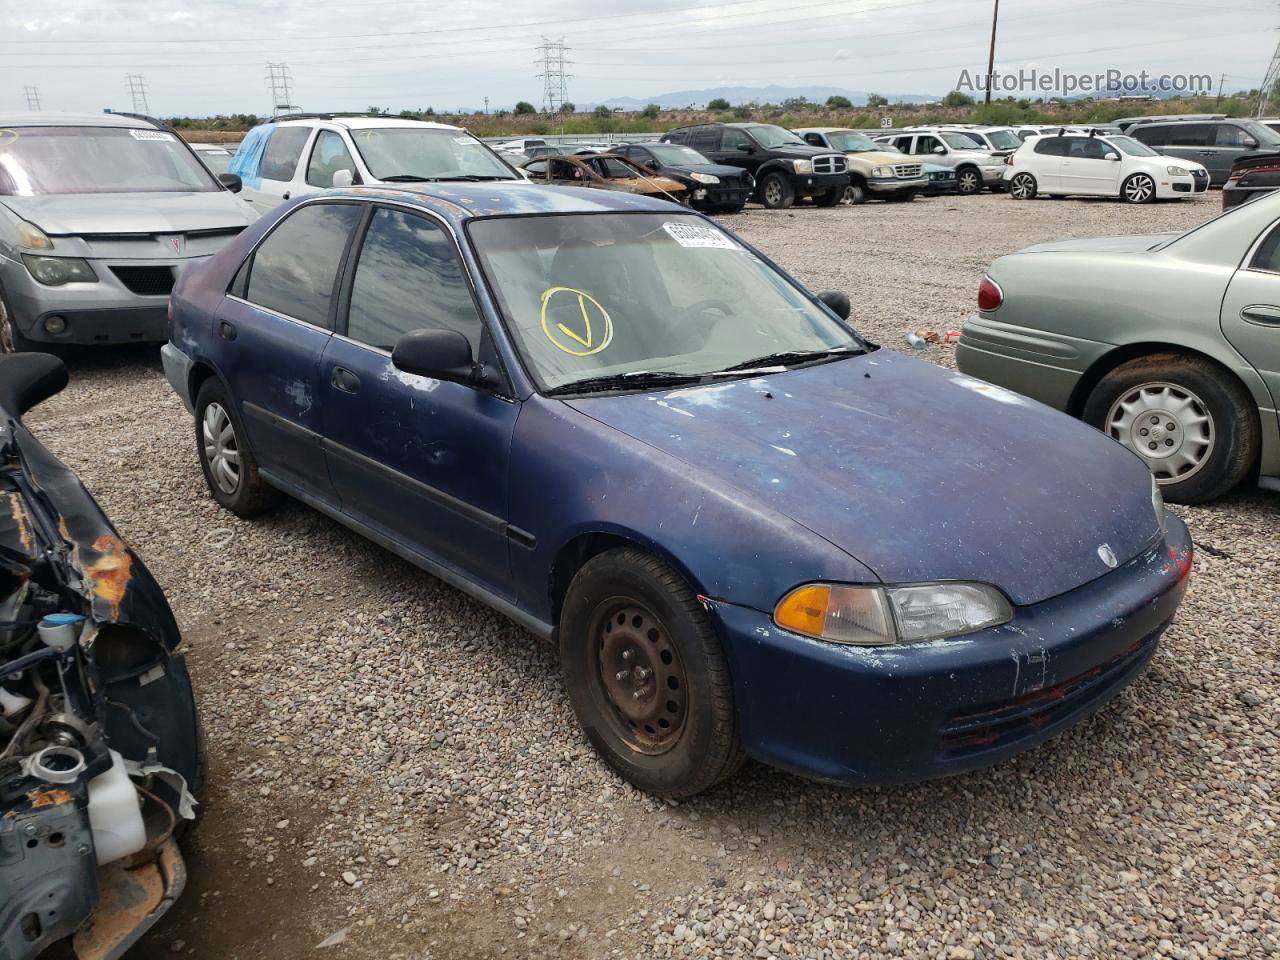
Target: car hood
<point>920,473</point>
<point>1137,243</point>
<point>714,169</point>
<point>877,158</point>
<point>121,213</point>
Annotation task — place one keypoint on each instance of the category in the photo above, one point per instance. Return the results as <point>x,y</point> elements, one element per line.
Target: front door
<point>1251,313</point>
<point>271,332</point>
<point>1086,169</point>
<point>734,145</point>
<point>423,461</point>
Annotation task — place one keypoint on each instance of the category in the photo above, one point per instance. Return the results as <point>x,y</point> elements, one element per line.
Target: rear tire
<point>647,677</point>
<point>230,468</point>
<point>968,180</point>
<point>776,192</point>
<point>1023,187</point>
<point>1215,438</point>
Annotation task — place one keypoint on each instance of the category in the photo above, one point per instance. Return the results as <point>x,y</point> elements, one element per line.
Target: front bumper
<point>895,185</point>
<point>814,184</point>
<point>714,195</point>
<point>103,312</point>
<point>1169,187</point>
<point>860,715</point>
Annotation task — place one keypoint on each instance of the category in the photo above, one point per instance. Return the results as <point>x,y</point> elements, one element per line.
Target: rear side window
<point>676,136</point>
<point>328,156</point>
<point>705,138</point>
<point>1268,255</point>
<point>294,270</point>
<point>284,149</point>
<point>409,278</point>
<point>1190,134</point>
<point>1052,146</point>
<point>1151,136</point>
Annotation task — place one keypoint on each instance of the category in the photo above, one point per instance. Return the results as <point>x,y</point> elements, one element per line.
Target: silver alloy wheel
<point>968,182</point>
<point>1138,189</point>
<point>1022,187</point>
<point>7,344</point>
<point>221,451</point>
<point>1165,424</point>
<point>773,191</point>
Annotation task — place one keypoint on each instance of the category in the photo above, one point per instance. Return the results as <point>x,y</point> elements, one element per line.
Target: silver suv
<point>98,215</point>
<point>976,166</point>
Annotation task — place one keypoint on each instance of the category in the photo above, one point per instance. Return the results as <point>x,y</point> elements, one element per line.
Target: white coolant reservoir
<point>115,814</point>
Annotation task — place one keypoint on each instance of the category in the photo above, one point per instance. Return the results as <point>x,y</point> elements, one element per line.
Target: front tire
<point>1193,424</point>
<point>1023,187</point>
<point>968,180</point>
<point>831,198</point>
<point>12,340</point>
<point>776,192</point>
<point>230,468</point>
<point>647,677</point>
<point>1139,188</point>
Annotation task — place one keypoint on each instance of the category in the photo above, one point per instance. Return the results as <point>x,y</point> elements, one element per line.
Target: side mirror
<point>343,178</point>
<point>939,150</point>
<point>1112,156</point>
<point>838,302</point>
<point>1250,142</point>
<point>440,354</point>
<point>746,148</point>
<point>231,181</point>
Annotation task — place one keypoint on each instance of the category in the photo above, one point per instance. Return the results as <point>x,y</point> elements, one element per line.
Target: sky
<point>202,57</point>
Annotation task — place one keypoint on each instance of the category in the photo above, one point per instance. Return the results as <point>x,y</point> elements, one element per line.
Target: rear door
<point>272,331</point>
<point>1187,141</point>
<point>423,461</point>
<point>1086,169</point>
<point>280,170</point>
<point>1251,313</point>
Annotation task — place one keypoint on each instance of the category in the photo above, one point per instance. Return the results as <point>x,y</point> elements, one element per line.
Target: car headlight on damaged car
<point>1179,172</point>
<point>803,166</point>
<point>55,271</point>
<point>705,178</point>
<point>871,616</point>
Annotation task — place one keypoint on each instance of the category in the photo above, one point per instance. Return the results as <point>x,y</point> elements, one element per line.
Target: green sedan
<point>1169,343</point>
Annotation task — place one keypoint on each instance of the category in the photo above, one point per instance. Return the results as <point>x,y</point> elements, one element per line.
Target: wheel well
<point>574,554</point>
<point>200,372</point>
<point>1108,362</point>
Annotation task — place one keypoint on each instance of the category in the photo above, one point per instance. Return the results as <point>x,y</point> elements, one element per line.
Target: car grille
<point>146,281</point>
<point>830,163</point>
<point>907,171</point>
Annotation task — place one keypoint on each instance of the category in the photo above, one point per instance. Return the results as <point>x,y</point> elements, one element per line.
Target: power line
<point>278,77</point>
<point>554,89</point>
<point>33,97</point>
<point>138,92</point>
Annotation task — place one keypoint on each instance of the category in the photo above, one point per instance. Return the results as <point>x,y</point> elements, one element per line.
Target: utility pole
<point>553,75</point>
<point>33,97</point>
<point>991,57</point>
<point>1222,79</point>
<point>278,78</point>
<point>138,92</point>
<point>1268,88</point>
<point>486,106</point>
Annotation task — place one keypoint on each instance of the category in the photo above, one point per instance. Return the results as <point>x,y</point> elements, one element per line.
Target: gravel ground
<point>397,773</point>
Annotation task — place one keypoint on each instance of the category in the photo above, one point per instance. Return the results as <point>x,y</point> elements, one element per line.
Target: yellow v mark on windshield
<point>582,305</point>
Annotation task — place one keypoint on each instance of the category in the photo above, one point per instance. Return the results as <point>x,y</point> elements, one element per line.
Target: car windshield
<point>1004,139</point>
<point>69,160</point>
<point>850,142</point>
<point>1132,147</point>
<point>1262,133</point>
<point>959,141</point>
<point>427,153</point>
<point>770,136</point>
<point>218,161</point>
<point>673,153</point>
<point>616,295</point>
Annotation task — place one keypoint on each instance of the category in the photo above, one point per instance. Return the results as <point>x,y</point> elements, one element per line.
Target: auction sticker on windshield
<point>698,235</point>
<point>152,135</point>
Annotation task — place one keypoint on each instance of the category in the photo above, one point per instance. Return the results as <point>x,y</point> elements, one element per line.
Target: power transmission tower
<point>138,92</point>
<point>1268,88</point>
<point>554,91</point>
<point>33,97</point>
<point>278,77</point>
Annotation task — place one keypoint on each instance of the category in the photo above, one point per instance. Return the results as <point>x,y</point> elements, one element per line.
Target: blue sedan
<point>750,531</point>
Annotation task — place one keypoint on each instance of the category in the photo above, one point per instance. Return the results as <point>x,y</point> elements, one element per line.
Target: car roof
<point>461,201</point>
<point>363,123</point>
<point>76,120</point>
<point>827,130</point>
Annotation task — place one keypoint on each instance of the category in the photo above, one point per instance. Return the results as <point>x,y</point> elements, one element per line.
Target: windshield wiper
<point>407,178</point>
<point>790,357</point>
<point>623,381</point>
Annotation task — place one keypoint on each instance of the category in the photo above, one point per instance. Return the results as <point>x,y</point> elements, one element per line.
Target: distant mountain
<point>770,94</point>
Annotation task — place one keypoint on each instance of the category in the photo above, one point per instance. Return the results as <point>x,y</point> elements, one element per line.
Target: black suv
<point>785,167</point>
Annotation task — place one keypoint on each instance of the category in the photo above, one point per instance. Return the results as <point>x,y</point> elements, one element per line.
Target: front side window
<point>284,150</point>
<point>35,161</point>
<point>1085,148</point>
<point>328,156</point>
<point>732,139</point>
<point>587,296</point>
<point>294,269</point>
<point>925,145</point>
<point>409,278</point>
<point>961,141</point>
<point>427,153</point>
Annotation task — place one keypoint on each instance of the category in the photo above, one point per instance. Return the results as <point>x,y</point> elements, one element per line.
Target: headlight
<point>1178,172</point>
<point>876,616</point>
<point>882,171</point>
<point>803,166</point>
<point>32,237</point>
<point>705,178</point>
<point>55,271</point>
<point>1157,504</point>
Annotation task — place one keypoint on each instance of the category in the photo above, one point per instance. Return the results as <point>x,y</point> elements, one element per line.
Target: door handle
<point>1262,314</point>
<point>227,331</point>
<point>1207,153</point>
<point>344,380</point>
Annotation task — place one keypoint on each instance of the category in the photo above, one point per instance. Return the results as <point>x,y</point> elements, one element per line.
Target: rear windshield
<point>68,160</point>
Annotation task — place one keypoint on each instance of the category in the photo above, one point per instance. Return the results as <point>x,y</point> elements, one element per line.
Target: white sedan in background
<point>1107,166</point>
